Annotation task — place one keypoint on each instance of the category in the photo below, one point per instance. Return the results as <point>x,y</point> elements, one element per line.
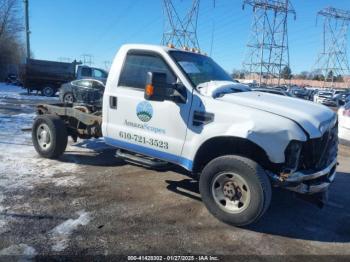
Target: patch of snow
<point>11,125</point>
<point>61,233</point>
<point>23,250</point>
<point>67,181</point>
<point>3,225</point>
<point>21,168</point>
<point>16,92</point>
<point>9,88</point>
<point>97,144</point>
<point>20,164</point>
<point>2,198</point>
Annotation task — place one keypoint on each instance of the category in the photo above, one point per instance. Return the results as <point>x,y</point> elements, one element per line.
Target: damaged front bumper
<point>308,182</point>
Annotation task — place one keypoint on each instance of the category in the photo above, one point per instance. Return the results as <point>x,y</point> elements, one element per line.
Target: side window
<point>136,67</point>
<point>86,72</point>
<point>99,73</point>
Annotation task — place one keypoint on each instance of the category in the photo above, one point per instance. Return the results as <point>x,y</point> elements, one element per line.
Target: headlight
<point>292,154</point>
<point>324,126</point>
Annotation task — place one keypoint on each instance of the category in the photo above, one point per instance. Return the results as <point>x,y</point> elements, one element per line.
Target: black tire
<point>257,182</point>
<point>48,91</point>
<point>65,98</point>
<point>57,135</point>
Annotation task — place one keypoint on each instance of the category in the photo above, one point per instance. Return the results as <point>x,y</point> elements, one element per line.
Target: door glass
<point>85,71</point>
<point>136,67</point>
<point>99,73</point>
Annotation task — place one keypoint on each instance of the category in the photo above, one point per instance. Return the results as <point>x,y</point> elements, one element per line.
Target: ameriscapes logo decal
<point>144,111</point>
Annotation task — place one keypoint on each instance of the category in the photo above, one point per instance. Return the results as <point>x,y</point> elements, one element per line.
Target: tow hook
<point>275,178</point>
<point>284,175</point>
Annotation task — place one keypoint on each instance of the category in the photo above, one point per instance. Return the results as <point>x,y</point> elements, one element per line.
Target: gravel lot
<point>90,203</point>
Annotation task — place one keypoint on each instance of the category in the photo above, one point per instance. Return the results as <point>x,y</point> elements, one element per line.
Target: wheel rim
<point>48,91</point>
<point>231,192</point>
<point>43,135</point>
<point>68,98</point>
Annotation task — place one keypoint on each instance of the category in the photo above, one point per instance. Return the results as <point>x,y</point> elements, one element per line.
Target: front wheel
<point>49,136</point>
<point>235,190</point>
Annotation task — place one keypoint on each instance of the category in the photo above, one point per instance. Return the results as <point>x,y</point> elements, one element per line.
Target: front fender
<point>270,132</point>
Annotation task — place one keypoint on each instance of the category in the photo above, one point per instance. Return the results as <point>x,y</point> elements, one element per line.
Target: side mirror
<point>156,87</point>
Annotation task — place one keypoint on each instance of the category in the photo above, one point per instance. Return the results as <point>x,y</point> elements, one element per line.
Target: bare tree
<point>11,47</point>
<point>10,19</point>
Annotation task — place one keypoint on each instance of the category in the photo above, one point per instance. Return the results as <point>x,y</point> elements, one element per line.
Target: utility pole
<point>26,7</point>
<point>267,48</point>
<point>332,61</point>
<point>180,30</point>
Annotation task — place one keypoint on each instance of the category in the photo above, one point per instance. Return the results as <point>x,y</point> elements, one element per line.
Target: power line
<point>107,64</point>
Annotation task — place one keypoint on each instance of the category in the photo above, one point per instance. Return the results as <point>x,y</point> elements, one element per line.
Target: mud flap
<point>318,199</point>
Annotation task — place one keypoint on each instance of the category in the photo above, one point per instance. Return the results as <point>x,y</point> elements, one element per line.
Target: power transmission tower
<point>332,61</point>
<point>181,31</point>
<point>87,59</point>
<point>107,64</point>
<point>268,52</point>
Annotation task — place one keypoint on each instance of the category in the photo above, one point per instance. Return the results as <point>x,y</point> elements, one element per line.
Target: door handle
<point>113,102</point>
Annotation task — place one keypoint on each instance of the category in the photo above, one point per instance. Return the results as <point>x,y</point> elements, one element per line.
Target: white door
<point>152,128</point>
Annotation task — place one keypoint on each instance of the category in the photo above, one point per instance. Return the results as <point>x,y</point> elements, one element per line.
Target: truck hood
<point>310,116</point>
<point>315,119</point>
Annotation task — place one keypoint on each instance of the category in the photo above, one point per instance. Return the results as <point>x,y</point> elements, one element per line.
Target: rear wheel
<point>235,189</point>
<point>49,136</point>
<point>48,91</point>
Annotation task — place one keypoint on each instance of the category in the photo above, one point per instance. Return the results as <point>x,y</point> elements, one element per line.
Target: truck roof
<point>156,48</point>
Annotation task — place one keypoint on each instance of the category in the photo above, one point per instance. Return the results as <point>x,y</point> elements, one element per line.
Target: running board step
<point>140,159</point>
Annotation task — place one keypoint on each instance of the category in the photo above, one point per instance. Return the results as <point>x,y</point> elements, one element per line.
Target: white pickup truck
<point>164,105</point>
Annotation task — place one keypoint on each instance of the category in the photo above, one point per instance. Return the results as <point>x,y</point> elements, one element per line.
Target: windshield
<point>199,68</point>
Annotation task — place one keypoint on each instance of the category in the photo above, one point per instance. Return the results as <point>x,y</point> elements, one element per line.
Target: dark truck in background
<point>48,76</point>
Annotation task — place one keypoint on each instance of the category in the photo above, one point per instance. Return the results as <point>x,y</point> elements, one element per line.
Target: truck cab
<point>87,72</point>
<point>166,105</point>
